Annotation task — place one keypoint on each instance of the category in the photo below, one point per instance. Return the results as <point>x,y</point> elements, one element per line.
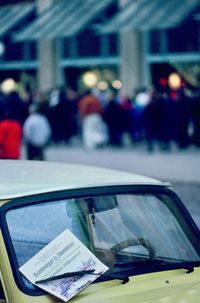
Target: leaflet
<point>66,253</point>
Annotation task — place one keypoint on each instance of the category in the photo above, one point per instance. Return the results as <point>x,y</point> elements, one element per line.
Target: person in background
<point>154,121</point>
<point>94,131</point>
<point>128,113</point>
<point>2,106</point>
<point>10,137</point>
<point>142,99</point>
<point>37,133</point>
<point>114,118</point>
<point>18,107</point>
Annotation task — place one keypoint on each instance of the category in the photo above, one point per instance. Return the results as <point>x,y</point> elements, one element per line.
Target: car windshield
<point>118,229</point>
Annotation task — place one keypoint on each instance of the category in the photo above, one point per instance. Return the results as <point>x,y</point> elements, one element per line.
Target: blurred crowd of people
<point>100,118</point>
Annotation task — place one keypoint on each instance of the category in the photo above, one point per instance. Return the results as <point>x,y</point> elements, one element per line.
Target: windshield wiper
<point>136,264</point>
<point>150,264</point>
<point>189,265</point>
<point>116,276</point>
<point>139,263</point>
<point>68,274</point>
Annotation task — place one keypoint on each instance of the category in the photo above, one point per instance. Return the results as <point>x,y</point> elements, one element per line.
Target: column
<point>49,71</point>
<point>131,69</point>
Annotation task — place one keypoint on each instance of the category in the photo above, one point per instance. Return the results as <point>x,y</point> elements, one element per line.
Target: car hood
<point>174,286</point>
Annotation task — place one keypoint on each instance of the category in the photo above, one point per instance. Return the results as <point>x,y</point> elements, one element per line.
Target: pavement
<point>175,166</point>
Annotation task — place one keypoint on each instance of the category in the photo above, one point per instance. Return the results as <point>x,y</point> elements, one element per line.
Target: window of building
<point>155,42</point>
<point>14,51</point>
<point>32,50</point>
<point>19,51</point>
<point>184,38</point>
<point>66,48</point>
<point>89,43</point>
<point>69,47</point>
<point>113,44</point>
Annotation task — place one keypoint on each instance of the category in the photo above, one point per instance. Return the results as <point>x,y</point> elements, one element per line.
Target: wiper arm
<point>136,264</point>
<point>189,266</point>
<point>68,274</point>
<point>116,276</point>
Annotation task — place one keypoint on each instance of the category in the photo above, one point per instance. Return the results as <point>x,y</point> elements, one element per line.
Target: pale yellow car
<point>135,225</point>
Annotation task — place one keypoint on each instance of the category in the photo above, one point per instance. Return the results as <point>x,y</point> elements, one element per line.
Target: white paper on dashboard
<point>66,253</point>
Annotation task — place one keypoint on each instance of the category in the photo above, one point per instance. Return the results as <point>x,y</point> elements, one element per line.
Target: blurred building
<point>89,42</point>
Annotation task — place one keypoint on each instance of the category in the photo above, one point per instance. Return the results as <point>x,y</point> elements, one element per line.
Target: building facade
<point>45,43</point>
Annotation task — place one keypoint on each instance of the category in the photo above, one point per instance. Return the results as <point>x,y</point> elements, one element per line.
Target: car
<point>135,225</point>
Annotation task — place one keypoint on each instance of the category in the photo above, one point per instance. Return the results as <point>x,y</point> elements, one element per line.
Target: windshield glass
<point>116,228</point>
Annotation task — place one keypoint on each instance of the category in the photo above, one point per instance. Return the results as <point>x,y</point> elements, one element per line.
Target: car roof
<point>19,178</point>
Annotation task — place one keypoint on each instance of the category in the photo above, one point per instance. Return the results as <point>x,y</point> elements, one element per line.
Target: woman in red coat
<point>10,138</point>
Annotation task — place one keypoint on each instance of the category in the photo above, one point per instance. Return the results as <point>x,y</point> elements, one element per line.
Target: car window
<point>34,226</point>
<point>144,217</point>
<point>124,227</point>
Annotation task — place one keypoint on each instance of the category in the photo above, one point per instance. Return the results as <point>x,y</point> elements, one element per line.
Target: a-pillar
<point>49,71</point>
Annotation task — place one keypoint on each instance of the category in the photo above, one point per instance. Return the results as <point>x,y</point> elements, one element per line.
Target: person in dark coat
<point>2,106</point>
<point>17,106</point>
<point>195,117</point>
<point>183,119</point>
<point>62,116</point>
<point>153,121</point>
<point>114,117</point>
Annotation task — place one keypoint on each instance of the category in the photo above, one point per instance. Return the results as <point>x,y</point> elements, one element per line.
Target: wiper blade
<point>68,274</point>
<point>152,264</point>
<point>140,263</point>
<point>189,266</point>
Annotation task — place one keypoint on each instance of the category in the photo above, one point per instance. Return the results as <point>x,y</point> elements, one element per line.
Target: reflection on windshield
<point>117,228</point>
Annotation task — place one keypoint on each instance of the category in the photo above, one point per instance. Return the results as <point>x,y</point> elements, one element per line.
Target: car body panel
<point>32,182</point>
<point>170,286</point>
<point>22,178</point>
